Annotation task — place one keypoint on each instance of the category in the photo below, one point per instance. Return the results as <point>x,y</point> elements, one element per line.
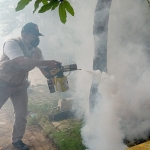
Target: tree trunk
<point>100,30</point>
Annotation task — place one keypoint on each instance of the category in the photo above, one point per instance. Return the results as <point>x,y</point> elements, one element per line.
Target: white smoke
<point>128,60</point>
<point>123,106</point>
<point>102,125</point>
<point>102,128</point>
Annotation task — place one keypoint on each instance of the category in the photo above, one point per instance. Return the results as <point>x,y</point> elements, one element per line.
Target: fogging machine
<point>56,79</point>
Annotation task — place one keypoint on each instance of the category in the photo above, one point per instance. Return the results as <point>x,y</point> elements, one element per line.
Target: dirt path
<point>33,136</point>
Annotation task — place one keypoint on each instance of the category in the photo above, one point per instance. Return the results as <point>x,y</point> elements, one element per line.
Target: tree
<point>100,31</point>
<point>63,6</point>
<point>148,1</point>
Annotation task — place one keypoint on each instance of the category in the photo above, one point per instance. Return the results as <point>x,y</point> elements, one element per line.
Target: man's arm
<point>39,56</point>
<point>13,51</point>
<point>28,63</point>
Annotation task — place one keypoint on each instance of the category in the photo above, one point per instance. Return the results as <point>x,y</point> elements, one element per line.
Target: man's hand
<point>53,64</point>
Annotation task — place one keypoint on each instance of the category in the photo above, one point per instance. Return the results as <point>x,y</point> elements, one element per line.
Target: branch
<point>148,2</point>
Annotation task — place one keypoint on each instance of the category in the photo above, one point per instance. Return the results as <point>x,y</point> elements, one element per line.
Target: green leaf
<point>21,4</point>
<point>55,4</point>
<point>69,7</point>
<point>44,2</point>
<point>47,6</point>
<point>36,5</point>
<point>62,12</point>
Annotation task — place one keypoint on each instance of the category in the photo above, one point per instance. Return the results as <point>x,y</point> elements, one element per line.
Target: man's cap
<point>31,28</point>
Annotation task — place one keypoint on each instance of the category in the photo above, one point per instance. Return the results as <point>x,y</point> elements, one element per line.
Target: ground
<point>33,136</point>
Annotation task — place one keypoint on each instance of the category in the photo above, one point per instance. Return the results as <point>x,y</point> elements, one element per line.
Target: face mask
<point>35,42</point>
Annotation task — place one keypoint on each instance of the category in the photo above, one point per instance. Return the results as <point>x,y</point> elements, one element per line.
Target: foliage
<point>66,140</point>
<point>70,139</point>
<point>38,112</point>
<point>11,20</point>
<point>63,7</point>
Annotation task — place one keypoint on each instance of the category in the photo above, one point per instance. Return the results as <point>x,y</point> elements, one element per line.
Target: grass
<point>38,112</point>
<point>70,139</point>
<point>40,105</point>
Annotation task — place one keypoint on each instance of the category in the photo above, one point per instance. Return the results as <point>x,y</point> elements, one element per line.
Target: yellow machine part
<point>143,146</point>
<point>54,72</point>
<point>61,84</point>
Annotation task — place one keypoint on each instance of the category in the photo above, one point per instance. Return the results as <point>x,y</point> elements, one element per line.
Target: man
<point>20,55</point>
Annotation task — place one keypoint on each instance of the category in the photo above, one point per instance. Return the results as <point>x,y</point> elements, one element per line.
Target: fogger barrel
<point>56,79</point>
<point>71,67</point>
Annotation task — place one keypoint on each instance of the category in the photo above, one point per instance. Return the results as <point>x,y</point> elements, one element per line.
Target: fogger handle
<point>51,85</point>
